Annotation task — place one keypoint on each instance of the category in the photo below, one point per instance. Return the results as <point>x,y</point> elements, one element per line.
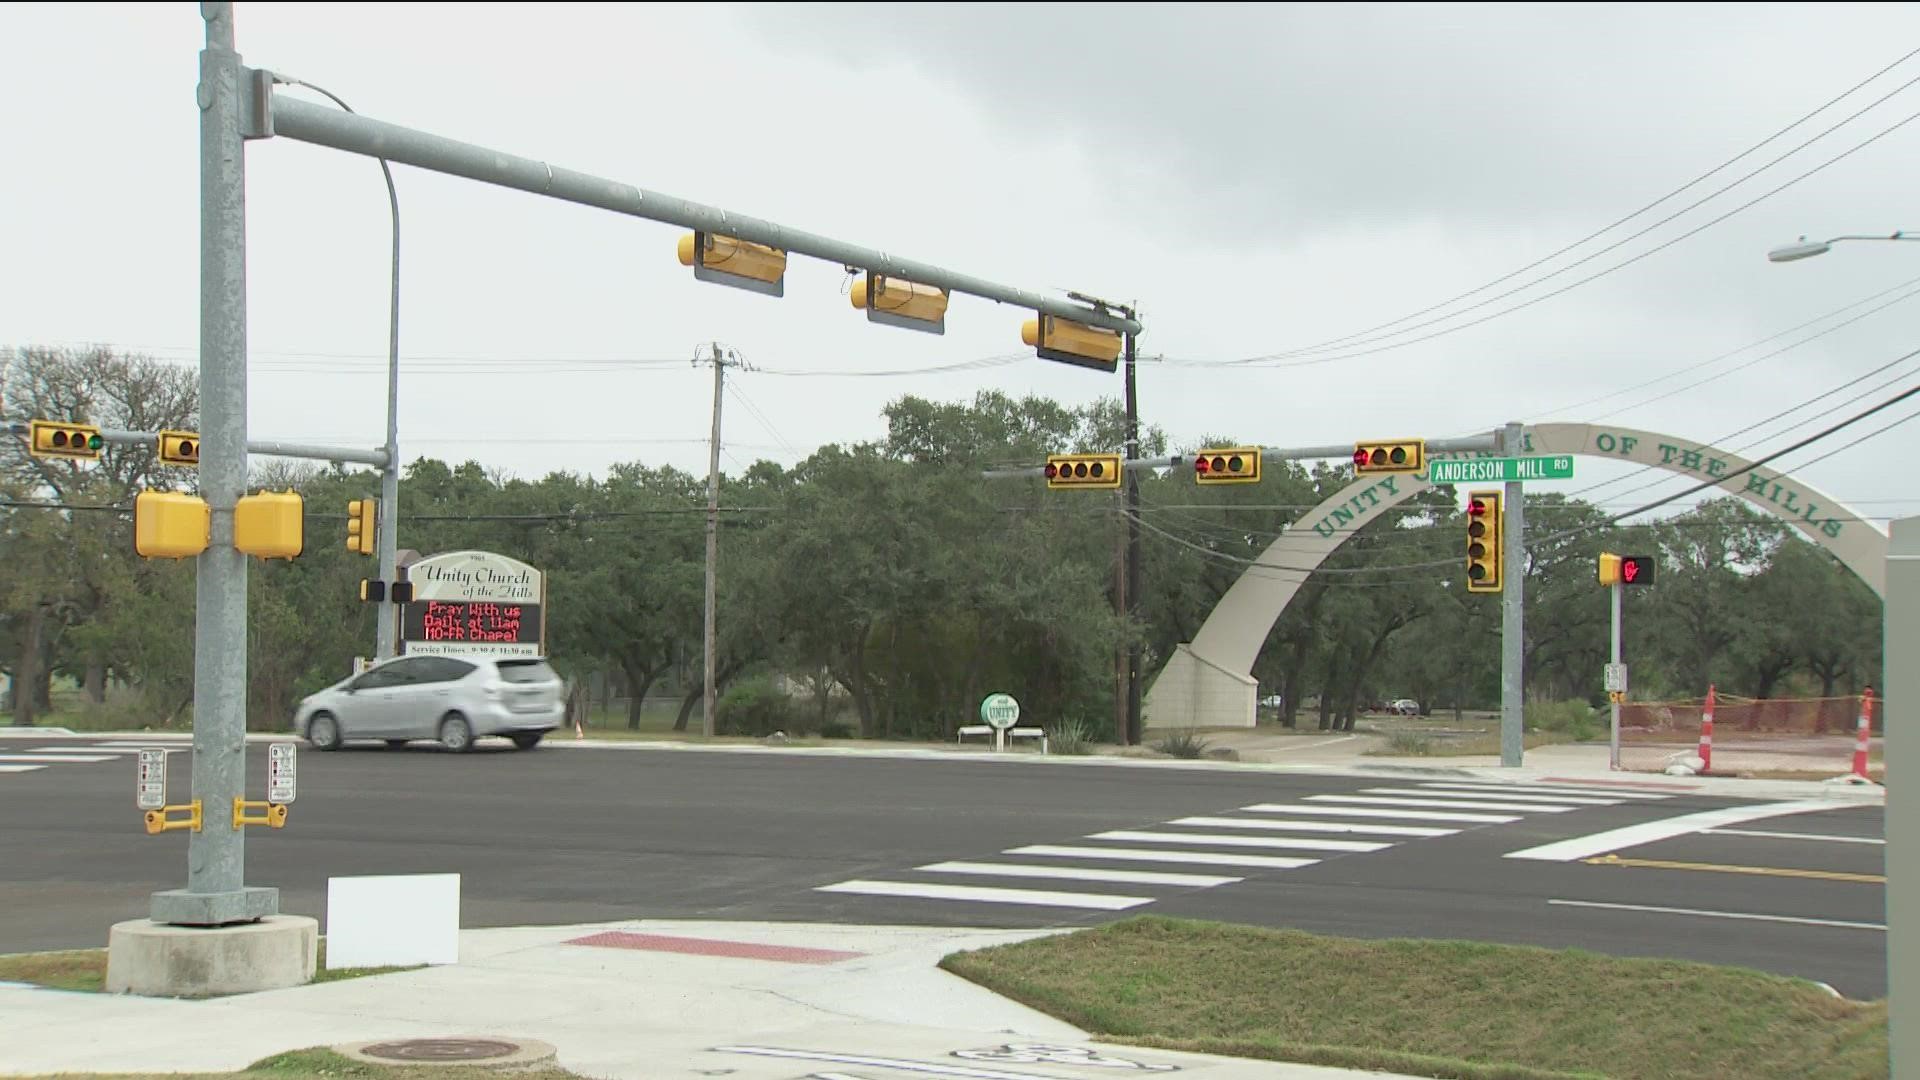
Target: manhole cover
<point>440,1050</point>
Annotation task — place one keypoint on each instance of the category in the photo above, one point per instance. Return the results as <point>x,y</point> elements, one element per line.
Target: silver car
<point>452,699</point>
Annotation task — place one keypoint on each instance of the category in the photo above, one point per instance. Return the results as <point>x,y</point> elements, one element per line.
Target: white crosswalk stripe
<point>1260,837</point>
<point>1376,812</point>
<point>1299,843</point>
<point>978,894</point>
<point>56,759</point>
<point>1313,826</point>
<point>20,768</point>
<point>1567,800</point>
<point>1541,789</point>
<point>1438,804</point>
<point>1079,873</point>
<point>1185,858</point>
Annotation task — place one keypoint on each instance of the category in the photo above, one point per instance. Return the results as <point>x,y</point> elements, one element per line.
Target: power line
<point>1596,234</point>
<point>1278,360</point>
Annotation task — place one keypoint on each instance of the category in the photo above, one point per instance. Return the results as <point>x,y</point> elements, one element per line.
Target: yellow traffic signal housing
<point>1609,569</point>
<point>75,442</point>
<point>1083,470</point>
<point>742,264</point>
<point>906,304</point>
<point>1227,465</point>
<point>270,524</point>
<point>361,514</point>
<point>1069,342</point>
<point>1486,541</point>
<point>180,448</point>
<point>170,525</point>
<point>1390,456</point>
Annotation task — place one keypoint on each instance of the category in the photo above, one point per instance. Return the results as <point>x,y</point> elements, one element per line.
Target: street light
<point>1807,249</point>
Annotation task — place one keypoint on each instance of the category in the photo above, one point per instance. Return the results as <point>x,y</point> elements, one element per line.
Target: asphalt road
<point>566,834</point>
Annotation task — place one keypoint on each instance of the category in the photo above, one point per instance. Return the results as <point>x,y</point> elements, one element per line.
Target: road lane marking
<point>1192,858</point>
<point>900,1064</point>
<point>984,895</point>
<point>1748,915</point>
<point>1217,839</point>
<point>1312,826</point>
<point>1631,836</point>
<point>1078,873</point>
<point>1541,789</point>
<point>1438,804</point>
<point>58,758</point>
<point>1368,812</point>
<point>1794,836</point>
<point>1503,796</point>
<point>1724,868</point>
<point>20,768</point>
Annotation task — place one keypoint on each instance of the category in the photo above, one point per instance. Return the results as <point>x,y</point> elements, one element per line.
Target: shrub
<point>1573,718</point>
<point>1411,743</point>
<point>1070,736</point>
<point>754,707</point>
<point>1184,744</point>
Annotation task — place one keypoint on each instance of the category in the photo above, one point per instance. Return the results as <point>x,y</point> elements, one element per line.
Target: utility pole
<point>1136,730</point>
<point>216,892</point>
<point>720,362</point>
<point>1901,625</point>
<point>1513,627</point>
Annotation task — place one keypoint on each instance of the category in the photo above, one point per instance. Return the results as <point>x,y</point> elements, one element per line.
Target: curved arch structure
<point>1208,682</point>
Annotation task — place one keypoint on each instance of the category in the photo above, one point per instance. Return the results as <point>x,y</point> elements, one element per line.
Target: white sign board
<point>476,575</point>
<point>1616,678</point>
<point>1000,711</point>
<point>393,920</point>
<point>474,603</point>
<point>150,793</point>
<point>280,773</point>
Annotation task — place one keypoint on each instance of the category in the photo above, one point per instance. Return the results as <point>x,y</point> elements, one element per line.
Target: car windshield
<point>526,671</point>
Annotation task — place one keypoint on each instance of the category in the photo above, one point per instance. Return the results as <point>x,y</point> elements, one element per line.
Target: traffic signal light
<point>905,304</point>
<point>1625,569</point>
<point>372,592</point>
<point>1390,456</point>
<point>1485,541</point>
<point>742,264</point>
<point>1083,470</point>
<point>170,525</point>
<point>180,448</point>
<point>1069,342</point>
<point>360,520</point>
<point>78,442</point>
<point>1227,465</point>
<point>271,525</point>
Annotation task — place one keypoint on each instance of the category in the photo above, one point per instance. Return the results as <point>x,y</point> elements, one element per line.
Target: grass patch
<point>1432,1008</point>
<point>86,969</point>
<point>1182,744</point>
<point>1415,744</point>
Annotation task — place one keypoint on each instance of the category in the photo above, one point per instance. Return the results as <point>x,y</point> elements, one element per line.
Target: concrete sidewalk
<point>634,1001</point>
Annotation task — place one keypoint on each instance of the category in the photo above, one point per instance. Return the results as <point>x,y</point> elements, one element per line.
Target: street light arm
<point>1807,249</point>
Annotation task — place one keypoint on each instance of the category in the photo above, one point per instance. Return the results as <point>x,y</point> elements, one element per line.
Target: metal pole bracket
<point>275,816</point>
<point>162,820</point>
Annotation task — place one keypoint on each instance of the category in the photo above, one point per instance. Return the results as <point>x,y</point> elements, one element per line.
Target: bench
<point>960,735</point>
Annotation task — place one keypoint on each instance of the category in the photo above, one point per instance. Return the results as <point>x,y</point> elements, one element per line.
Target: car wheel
<point>395,744</point>
<point>527,742</point>
<point>456,734</point>
<point>323,731</point>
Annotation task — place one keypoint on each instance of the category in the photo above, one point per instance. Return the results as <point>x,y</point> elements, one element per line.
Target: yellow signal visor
<point>180,448</point>
<point>270,525</point>
<point>170,525</point>
<point>905,304</point>
<point>1069,342</point>
<point>1082,470</point>
<point>742,264</point>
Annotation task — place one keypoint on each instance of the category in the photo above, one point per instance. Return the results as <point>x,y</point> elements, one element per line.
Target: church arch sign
<point>1208,681</point>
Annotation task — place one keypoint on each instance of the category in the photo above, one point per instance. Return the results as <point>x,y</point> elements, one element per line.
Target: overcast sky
<point>1258,179</point>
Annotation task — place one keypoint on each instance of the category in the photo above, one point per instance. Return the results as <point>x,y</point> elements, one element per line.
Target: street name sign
<point>1499,470</point>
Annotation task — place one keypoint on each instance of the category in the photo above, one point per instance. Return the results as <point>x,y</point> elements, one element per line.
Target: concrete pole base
<point>161,960</point>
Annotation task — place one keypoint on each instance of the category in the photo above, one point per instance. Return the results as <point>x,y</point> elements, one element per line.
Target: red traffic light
<point>1359,457</point>
<point>1202,465</point>
<point>1476,508</point>
<point>1052,470</point>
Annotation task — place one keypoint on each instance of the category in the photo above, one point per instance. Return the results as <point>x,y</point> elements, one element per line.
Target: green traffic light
<point>93,442</point>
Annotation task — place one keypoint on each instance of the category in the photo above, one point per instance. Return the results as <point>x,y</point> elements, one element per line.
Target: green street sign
<point>1499,470</point>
